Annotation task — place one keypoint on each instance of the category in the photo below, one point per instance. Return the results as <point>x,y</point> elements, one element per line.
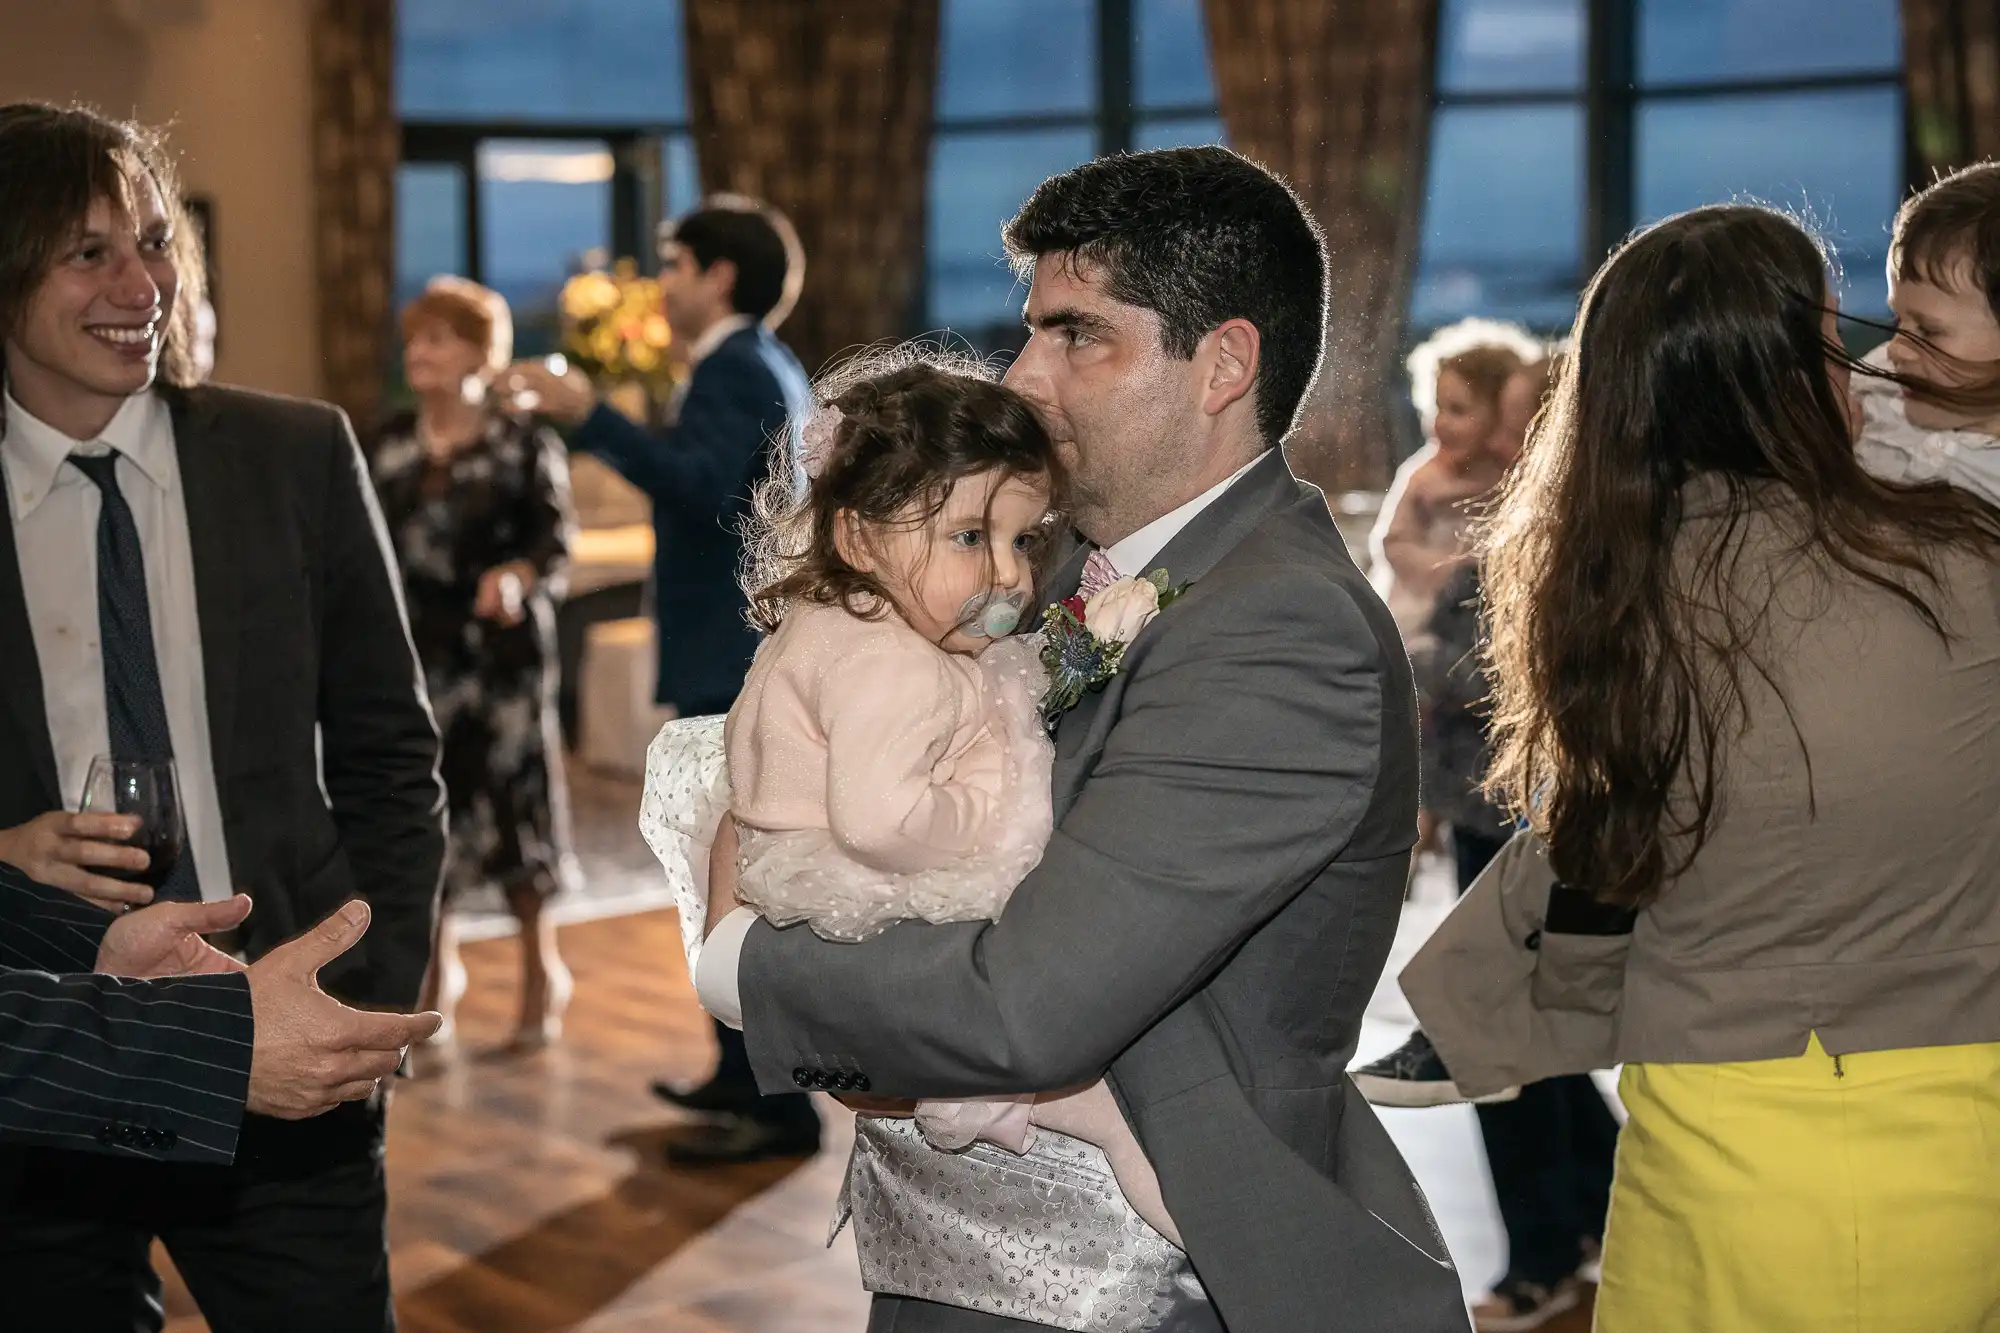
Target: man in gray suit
<point>1235,808</point>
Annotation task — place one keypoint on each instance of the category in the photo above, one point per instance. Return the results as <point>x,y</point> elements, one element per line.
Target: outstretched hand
<point>165,940</point>
<point>564,397</point>
<point>312,1052</point>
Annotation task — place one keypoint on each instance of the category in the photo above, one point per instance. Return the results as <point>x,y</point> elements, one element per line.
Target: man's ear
<point>851,543</point>
<point>1228,353</point>
<point>721,276</point>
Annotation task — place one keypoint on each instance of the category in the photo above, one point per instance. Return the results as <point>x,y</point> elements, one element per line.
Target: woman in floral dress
<point>477,503</point>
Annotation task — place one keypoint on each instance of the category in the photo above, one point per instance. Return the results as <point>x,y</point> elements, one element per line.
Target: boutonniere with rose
<point>1084,641</point>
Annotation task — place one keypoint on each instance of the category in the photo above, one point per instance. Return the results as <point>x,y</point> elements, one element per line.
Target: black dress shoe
<point>1414,1075</point>
<point>710,1098</point>
<point>737,1140</point>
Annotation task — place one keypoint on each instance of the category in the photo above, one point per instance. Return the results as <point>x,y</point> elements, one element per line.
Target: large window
<point>1028,88</point>
<point>539,137</point>
<point>1562,124</point>
<point>542,135</point>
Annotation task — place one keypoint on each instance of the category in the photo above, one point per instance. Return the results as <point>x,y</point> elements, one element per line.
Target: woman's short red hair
<point>477,314</point>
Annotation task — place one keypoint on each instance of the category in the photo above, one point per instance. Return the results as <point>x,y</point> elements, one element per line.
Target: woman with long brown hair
<point>1751,696</point>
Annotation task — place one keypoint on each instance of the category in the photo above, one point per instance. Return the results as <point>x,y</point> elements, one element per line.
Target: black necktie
<point>134,703</point>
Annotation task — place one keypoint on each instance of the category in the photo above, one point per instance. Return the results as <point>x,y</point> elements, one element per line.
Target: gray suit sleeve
<point>1243,758</point>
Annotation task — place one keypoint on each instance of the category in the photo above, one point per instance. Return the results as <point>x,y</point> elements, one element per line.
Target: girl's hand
<point>722,898</point>
<point>862,1104</point>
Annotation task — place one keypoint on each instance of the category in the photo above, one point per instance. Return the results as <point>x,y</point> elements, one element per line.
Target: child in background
<point>1456,379</point>
<point>1944,285</point>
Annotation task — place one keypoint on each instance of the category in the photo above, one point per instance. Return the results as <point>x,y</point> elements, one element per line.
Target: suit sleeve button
<point>859,1083</point>
<point>822,1079</point>
<point>803,1077</point>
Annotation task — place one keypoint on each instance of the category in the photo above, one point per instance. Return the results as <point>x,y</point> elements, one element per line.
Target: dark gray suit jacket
<point>1235,813</point>
<point>142,1069</point>
<point>310,678</point>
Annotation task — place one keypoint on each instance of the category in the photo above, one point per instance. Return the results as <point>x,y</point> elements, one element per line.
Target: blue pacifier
<point>991,614</point>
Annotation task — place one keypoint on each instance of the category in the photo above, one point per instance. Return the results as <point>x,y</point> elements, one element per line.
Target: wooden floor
<point>528,1194</point>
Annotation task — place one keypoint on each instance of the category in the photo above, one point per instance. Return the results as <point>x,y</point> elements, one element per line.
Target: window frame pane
<point>467,62</point>
<point>1721,43</point>
<point>1481,274</point>
<point>1462,70</point>
<point>966,58</point>
<point>1859,233</point>
<point>1068,146</point>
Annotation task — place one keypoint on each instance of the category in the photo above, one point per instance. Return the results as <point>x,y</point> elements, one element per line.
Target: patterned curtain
<point>356,143</point>
<point>825,111</point>
<point>1951,57</point>
<point>1335,96</point>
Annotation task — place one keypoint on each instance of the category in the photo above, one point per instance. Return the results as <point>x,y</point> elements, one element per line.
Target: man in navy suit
<point>730,272</point>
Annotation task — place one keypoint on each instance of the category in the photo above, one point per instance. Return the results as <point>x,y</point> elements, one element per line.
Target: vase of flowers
<point>614,329</point>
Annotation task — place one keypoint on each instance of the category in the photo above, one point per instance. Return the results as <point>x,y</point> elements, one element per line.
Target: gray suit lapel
<point>208,460</point>
<point>1068,575</point>
<point>20,668</point>
<point>1194,551</point>
<point>1217,530</point>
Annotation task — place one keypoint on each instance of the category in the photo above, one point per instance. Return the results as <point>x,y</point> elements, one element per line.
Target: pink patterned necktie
<point>1098,574</point>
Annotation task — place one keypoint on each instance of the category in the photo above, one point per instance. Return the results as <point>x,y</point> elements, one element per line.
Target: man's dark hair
<point>758,240</point>
<point>1198,236</point>
<point>54,163</point>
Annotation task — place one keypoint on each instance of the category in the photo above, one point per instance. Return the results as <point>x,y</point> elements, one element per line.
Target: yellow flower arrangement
<point>614,327</point>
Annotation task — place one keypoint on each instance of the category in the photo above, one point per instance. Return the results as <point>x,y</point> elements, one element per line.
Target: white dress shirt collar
<point>36,451</point>
<point>1131,556</point>
<point>715,335</point>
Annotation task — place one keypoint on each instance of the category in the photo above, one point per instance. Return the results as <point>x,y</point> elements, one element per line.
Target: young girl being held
<point>886,760</point>
<point>1944,285</point>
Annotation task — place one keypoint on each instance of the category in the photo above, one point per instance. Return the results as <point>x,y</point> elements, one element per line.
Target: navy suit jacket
<point>746,400</point>
<point>143,1069</point>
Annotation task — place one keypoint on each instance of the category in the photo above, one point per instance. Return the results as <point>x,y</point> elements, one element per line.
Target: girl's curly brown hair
<point>892,433</point>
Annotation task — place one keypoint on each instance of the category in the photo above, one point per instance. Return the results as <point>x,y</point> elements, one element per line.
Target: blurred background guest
<point>1424,534</point>
<point>478,506</point>
<point>1550,1149</point>
<point>730,271</point>
<point>1456,380</point>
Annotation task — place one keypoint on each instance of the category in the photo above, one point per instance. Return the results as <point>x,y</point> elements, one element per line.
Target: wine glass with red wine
<point>150,789</point>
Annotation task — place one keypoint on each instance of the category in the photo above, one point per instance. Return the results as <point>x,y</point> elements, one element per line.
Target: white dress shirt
<point>715,335</point>
<point>54,508</point>
<point>715,974</point>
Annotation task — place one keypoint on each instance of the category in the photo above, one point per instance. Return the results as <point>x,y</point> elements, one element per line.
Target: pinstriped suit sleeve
<point>154,1070</point>
<point>46,929</point>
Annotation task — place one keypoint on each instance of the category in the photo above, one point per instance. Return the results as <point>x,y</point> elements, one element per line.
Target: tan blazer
<point>1855,893</point>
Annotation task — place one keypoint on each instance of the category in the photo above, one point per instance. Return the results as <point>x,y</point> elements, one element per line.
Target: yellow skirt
<point>1852,1196</point>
